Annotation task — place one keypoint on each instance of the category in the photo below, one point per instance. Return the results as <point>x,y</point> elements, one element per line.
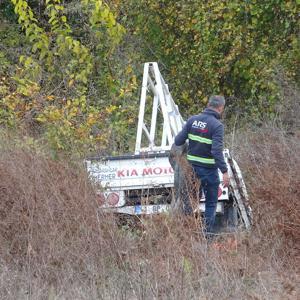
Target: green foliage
<point>70,73</point>
<point>52,83</point>
<point>230,47</point>
<point>7,10</point>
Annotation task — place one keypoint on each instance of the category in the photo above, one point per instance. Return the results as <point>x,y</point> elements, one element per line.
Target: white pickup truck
<point>143,182</point>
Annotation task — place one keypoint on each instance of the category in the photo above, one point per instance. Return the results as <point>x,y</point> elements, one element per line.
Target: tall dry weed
<point>48,213</point>
<point>270,160</point>
<point>54,244</point>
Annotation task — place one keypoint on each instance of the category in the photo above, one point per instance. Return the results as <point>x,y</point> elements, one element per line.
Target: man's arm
<point>217,148</point>
<point>182,136</point>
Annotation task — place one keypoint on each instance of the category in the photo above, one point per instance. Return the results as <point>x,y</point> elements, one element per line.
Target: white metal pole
<point>163,103</point>
<point>142,110</point>
<point>153,120</point>
<point>164,136</point>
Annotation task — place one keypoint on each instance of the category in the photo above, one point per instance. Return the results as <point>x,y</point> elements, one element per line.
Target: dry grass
<point>270,160</point>
<point>53,245</point>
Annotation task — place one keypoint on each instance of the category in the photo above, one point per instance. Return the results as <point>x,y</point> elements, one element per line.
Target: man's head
<point>216,103</point>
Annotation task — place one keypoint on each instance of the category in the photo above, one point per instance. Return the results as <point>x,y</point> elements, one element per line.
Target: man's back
<point>205,153</point>
<point>205,134</point>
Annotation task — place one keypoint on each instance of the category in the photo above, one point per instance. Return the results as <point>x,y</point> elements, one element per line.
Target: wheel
<point>229,221</point>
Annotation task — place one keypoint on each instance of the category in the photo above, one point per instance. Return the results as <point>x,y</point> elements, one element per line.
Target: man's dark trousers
<point>209,183</point>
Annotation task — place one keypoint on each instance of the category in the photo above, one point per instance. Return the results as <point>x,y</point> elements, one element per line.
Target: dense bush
<point>236,48</point>
<point>69,77</point>
<point>55,244</point>
<point>70,70</point>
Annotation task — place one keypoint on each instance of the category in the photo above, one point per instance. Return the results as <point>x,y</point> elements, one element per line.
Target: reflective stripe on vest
<point>201,159</point>
<point>199,139</point>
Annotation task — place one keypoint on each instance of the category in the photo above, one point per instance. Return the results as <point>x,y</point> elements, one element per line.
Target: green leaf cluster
<point>71,73</point>
<point>51,88</point>
<point>229,47</point>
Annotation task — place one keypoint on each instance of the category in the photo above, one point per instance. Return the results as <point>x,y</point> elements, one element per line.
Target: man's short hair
<point>216,101</point>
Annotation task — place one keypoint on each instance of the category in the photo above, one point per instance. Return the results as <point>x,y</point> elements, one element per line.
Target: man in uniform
<point>205,133</point>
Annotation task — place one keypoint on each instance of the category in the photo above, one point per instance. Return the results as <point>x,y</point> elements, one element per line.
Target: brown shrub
<point>48,214</point>
<point>54,244</point>
<point>269,158</point>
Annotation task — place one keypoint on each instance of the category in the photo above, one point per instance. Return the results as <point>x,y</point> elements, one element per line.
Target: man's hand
<point>225,179</point>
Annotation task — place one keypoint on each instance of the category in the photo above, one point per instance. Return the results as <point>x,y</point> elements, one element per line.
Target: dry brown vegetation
<point>54,244</point>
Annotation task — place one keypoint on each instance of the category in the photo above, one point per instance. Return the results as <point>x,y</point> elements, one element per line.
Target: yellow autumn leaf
<point>111,108</point>
<point>50,98</point>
